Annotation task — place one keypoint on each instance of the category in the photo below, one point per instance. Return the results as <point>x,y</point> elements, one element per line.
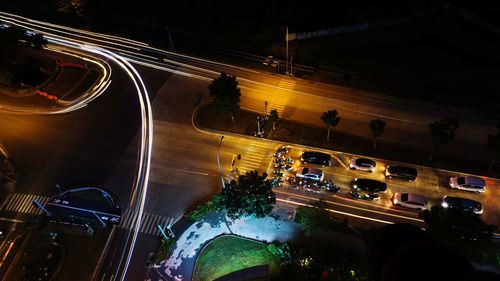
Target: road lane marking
<point>350,206</point>
<point>337,212</point>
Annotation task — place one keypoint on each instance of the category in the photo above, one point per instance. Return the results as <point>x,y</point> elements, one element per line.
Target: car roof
<point>371,184</point>
<point>463,202</point>
<point>364,161</point>
<point>402,169</point>
<point>316,154</point>
<point>309,170</point>
<point>416,198</point>
<point>475,181</point>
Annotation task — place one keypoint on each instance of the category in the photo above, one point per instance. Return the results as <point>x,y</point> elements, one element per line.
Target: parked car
<point>318,158</point>
<point>464,204</point>
<point>362,164</point>
<point>468,183</point>
<point>410,200</point>
<point>370,185</point>
<point>310,173</point>
<point>403,172</point>
<point>267,60</point>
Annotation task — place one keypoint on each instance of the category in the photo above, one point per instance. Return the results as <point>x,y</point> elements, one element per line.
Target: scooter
<point>365,196</point>
<point>329,186</point>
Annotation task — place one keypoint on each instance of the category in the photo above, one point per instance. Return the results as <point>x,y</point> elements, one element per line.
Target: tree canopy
<point>250,195</point>
<point>226,93</point>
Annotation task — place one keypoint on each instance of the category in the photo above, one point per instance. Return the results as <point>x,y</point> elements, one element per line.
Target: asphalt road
<point>97,146</point>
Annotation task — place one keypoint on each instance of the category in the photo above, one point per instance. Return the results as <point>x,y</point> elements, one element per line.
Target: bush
<point>165,249</point>
<point>203,209</point>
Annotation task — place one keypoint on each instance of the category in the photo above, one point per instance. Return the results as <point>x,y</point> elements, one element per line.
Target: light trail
<point>140,185</point>
<point>350,206</point>
<point>335,211</point>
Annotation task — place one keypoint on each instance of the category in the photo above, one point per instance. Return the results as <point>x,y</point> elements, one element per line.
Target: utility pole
<point>218,163</point>
<point>286,40</point>
<point>170,38</point>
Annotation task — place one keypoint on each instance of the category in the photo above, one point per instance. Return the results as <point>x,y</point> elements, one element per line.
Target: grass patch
<point>228,254</point>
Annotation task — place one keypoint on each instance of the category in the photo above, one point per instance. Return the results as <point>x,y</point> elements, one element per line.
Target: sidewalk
<point>208,117</point>
<point>181,263</point>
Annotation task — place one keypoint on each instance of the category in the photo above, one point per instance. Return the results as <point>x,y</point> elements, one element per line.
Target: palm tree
<point>377,126</point>
<point>442,132</point>
<point>274,117</point>
<point>331,120</point>
<point>493,145</point>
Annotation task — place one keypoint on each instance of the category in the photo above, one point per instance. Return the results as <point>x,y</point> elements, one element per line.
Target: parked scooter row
<point>364,196</point>
<point>282,164</point>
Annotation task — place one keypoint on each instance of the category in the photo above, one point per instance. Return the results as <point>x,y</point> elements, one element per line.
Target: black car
<point>370,185</point>
<point>403,172</point>
<point>462,204</point>
<point>318,158</point>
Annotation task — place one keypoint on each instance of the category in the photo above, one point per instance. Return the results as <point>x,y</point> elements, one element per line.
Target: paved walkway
<point>180,265</point>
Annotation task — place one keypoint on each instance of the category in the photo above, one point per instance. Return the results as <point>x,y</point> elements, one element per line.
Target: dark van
<point>403,172</point>
<point>318,158</point>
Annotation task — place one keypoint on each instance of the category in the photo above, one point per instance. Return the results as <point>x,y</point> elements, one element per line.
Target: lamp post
<point>218,162</point>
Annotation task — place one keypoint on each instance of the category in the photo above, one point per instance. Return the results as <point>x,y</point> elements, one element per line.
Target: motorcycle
<point>365,196</point>
<point>329,186</point>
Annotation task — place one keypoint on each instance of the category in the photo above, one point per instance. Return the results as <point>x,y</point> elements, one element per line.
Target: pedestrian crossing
<point>255,155</point>
<point>281,96</point>
<point>149,222</point>
<point>23,203</point>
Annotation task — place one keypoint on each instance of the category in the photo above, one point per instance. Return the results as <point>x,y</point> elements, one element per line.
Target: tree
<point>331,119</point>
<point>73,7</point>
<point>313,218</point>
<point>274,117</point>
<point>442,132</point>
<point>493,146</point>
<point>251,195</point>
<point>377,126</point>
<point>226,94</point>
<point>460,229</point>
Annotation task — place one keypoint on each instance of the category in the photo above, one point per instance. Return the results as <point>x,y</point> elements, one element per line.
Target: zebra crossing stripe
<point>145,221</point>
<point>151,230</point>
<point>25,202</point>
<point>11,200</point>
<point>18,201</point>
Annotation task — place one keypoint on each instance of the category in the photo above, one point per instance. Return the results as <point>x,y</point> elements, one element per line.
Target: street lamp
<point>218,162</point>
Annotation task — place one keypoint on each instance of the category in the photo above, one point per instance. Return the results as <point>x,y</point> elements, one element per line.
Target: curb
<point>217,132</point>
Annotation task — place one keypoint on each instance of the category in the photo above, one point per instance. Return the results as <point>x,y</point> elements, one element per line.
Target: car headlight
<point>444,205</point>
<point>395,201</point>
<point>355,186</point>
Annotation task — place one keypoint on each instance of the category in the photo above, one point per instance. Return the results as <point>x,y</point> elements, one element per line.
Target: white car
<point>362,164</point>
<point>410,200</point>
<point>310,173</point>
<point>468,183</point>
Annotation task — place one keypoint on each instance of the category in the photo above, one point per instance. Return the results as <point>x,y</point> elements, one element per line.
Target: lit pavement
<point>181,263</point>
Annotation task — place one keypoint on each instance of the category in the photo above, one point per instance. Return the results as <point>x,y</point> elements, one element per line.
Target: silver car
<point>362,164</point>
<point>310,173</point>
<point>468,183</point>
<point>410,200</point>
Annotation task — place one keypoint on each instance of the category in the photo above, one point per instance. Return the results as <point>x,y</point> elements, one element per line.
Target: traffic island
<point>207,117</point>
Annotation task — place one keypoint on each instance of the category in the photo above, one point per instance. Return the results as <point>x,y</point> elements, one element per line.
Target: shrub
<point>165,249</point>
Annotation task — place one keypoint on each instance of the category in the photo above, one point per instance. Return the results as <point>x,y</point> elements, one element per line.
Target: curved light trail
<point>131,51</point>
<point>140,185</point>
